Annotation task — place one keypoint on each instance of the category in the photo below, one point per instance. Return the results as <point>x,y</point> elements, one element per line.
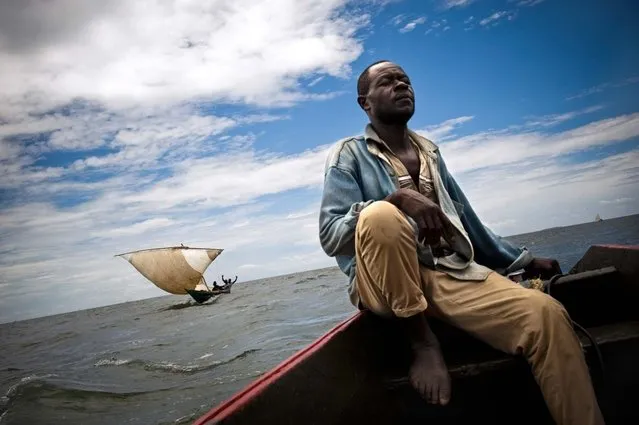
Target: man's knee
<point>378,211</point>
<point>382,221</point>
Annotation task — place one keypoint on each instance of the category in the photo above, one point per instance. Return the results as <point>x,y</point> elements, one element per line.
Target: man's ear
<point>363,103</point>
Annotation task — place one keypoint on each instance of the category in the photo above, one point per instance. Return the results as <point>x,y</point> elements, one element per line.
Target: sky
<point>130,125</point>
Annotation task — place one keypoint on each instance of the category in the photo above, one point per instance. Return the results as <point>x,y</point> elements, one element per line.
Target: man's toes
<point>433,392</point>
<point>443,399</point>
<point>444,395</point>
<point>412,380</point>
<point>415,384</point>
<point>422,389</point>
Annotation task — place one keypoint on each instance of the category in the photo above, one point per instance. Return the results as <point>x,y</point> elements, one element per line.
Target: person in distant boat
<point>228,282</point>
<point>217,287</point>
<point>401,228</point>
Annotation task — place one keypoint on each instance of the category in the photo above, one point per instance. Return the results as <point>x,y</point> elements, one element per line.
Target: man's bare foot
<point>429,375</point>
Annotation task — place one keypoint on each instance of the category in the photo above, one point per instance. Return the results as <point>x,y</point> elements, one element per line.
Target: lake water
<point>167,360</point>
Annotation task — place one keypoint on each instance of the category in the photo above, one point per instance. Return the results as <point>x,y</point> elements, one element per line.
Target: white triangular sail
<point>173,269</point>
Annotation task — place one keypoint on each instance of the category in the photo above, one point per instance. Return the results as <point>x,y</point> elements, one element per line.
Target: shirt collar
<point>370,135</point>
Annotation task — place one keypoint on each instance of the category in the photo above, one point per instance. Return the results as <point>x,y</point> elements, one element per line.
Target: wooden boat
<point>177,269</point>
<point>356,372</point>
<point>204,294</point>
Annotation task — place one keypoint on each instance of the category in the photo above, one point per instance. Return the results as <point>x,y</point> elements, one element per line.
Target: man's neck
<point>395,136</point>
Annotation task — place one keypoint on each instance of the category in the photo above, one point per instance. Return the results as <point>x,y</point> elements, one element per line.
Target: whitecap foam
<point>111,362</point>
<point>168,366</point>
<point>177,368</point>
<point>14,388</point>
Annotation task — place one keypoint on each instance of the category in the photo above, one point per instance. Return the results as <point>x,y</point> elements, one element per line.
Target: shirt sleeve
<point>491,250</point>
<point>342,202</point>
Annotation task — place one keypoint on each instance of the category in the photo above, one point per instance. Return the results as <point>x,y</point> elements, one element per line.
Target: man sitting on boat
<point>403,231</point>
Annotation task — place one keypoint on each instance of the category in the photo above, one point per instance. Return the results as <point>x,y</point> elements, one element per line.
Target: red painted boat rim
<point>237,401</point>
<point>613,246</point>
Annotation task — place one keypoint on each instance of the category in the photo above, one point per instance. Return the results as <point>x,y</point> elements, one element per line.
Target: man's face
<point>390,96</point>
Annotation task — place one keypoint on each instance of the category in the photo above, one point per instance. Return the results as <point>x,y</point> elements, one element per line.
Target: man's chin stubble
<point>396,118</point>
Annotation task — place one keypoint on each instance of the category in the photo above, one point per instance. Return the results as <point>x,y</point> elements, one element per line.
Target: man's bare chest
<point>410,160</point>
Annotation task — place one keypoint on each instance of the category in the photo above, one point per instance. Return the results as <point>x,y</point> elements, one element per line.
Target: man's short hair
<point>363,82</point>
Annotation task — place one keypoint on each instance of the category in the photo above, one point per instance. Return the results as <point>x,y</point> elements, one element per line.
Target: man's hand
<point>431,220</point>
<point>543,268</point>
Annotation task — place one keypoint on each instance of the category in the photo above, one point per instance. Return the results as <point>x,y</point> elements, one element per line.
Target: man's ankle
<point>427,344</point>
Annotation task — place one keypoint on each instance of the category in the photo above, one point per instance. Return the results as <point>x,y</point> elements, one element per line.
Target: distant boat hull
<point>203,296</point>
<point>356,372</point>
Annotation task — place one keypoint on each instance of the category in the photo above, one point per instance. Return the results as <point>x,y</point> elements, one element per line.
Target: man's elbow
<point>335,235</point>
<point>334,245</point>
<point>329,245</point>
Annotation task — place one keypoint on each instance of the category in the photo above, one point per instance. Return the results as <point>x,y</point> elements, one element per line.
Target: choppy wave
<point>111,362</point>
<point>62,336</point>
<point>40,388</point>
<point>27,380</point>
<point>306,288</point>
<point>74,393</point>
<point>187,419</point>
<point>170,366</point>
<point>306,279</point>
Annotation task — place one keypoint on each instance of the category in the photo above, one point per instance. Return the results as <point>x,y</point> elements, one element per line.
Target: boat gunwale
<point>258,386</point>
<point>618,246</point>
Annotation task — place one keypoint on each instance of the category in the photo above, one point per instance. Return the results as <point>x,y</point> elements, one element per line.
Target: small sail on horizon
<point>173,269</point>
<point>598,218</point>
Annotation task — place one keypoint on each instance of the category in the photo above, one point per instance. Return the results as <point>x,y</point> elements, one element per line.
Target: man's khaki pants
<point>513,319</point>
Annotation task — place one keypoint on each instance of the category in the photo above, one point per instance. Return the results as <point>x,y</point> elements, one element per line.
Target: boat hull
<point>356,373</point>
<point>203,296</point>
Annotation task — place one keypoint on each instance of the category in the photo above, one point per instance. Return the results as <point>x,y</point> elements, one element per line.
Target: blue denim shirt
<point>357,174</point>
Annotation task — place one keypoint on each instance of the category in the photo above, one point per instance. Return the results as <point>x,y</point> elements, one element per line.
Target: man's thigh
<point>497,310</point>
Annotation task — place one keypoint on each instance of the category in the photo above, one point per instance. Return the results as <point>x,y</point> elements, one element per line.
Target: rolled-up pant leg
<point>524,322</point>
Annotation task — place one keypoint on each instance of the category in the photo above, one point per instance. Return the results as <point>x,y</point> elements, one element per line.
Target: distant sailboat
<point>177,270</point>
<point>598,218</point>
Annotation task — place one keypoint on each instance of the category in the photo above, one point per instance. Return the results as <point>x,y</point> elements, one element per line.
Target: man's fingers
<point>437,222</point>
<point>421,228</point>
<point>430,224</point>
<point>428,232</point>
<point>436,226</point>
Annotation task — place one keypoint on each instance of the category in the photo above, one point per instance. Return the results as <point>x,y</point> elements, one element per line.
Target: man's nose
<point>401,85</point>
